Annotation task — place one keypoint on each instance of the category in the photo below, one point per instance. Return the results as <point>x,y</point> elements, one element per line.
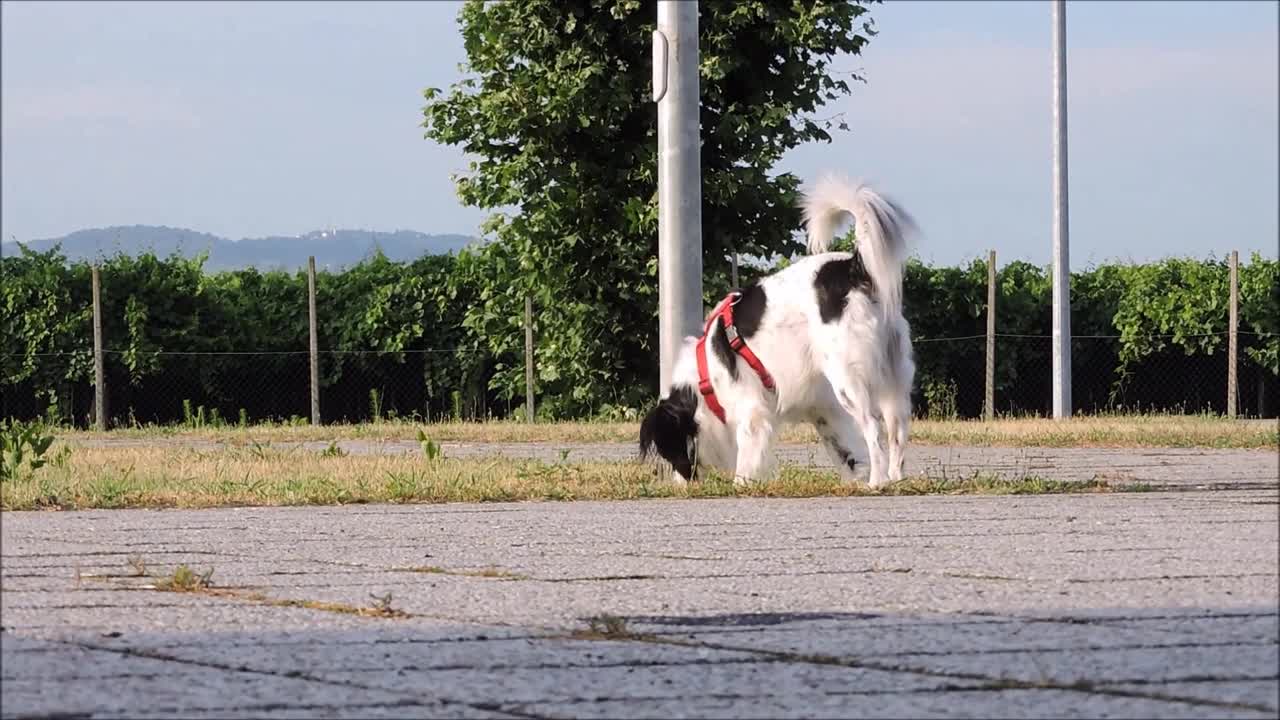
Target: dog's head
<point>671,429</point>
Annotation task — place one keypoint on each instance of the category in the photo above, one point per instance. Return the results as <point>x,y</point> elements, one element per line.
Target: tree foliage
<point>555,111</point>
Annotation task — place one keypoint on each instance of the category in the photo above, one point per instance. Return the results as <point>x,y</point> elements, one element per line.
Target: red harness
<point>724,313</point>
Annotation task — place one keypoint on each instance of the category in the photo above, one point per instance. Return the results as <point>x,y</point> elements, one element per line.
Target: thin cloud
<point>136,107</point>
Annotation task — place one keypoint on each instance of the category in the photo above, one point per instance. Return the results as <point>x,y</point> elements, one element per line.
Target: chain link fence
<point>951,380</point>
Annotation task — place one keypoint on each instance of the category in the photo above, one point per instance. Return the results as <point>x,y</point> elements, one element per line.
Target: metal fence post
<point>528,358</point>
<point>1233,324</point>
<point>314,340</point>
<point>99,362</point>
<point>989,405</point>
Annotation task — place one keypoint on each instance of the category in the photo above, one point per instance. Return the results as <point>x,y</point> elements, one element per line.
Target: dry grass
<point>485,572</point>
<point>183,579</point>
<point>1095,431</point>
<point>1118,431</point>
<point>151,477</point>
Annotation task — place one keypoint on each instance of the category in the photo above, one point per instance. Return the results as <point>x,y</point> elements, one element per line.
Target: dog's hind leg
<point>897,425</point>
<point>844,445</point>
<point>856,398</point>
<point>895,396</point>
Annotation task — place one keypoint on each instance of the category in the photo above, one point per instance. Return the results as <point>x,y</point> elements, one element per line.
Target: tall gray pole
<point>675,89</point>
<point>1061,254</point>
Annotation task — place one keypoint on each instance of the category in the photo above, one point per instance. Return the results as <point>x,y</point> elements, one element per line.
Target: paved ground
<point>1108,605</point>
<point>1163,467</point>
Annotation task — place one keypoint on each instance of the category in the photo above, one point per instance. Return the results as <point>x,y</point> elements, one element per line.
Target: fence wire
<point>359,385</point>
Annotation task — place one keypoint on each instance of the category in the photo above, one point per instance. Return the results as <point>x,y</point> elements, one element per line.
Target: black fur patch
<point>747,316</point>
<point>845,456</point>
<point>835,280</point>
<point>749,312</point>
<point>670,427</point>
<point>725,354</point>
<point>841,451</point>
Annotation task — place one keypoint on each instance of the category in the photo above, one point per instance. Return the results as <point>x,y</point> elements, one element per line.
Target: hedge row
<point>1148,337</point>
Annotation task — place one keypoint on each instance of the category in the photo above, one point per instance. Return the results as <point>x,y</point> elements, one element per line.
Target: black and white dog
<point>822,341</point>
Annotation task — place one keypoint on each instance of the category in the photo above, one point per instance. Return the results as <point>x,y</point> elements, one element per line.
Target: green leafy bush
<point>23,448</point>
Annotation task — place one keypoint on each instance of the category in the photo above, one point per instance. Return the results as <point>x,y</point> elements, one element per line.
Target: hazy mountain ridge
<point>331,248</point>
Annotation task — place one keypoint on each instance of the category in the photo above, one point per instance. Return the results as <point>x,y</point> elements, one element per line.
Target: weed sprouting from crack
<point>138,565</point>
<point>184,579</point>
<point>609,627</point>
<point>382,604</point>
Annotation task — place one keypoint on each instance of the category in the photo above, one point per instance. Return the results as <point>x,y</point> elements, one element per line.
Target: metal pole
<point>314,341</point>
<point>4,397</point>
<point>675,89</point>
<point>528,359</point>
<point>733,269</point>
<point>989,406</point>
<point>1061,254</point>
<point>99,363</point>
<point>1233,326</point>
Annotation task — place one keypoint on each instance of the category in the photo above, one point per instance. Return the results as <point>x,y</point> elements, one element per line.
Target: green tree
<point>555,111</point>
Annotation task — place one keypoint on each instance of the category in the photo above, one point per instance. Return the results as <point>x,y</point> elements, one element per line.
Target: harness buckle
<point>735,339</point>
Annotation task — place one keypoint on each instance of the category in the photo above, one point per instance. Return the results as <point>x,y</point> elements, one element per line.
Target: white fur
<point>851,378</point>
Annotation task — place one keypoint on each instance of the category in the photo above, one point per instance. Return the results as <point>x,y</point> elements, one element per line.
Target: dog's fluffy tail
<point>880,232</point>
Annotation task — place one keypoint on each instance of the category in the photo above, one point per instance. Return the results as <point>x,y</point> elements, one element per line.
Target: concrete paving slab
<point>408,710</point>
<point>755,678</point>
<point>1102,605</point>
<point>411,657</point>
<point>1159,664</point>
<point>855,641</point>
<point>182,689</point>
<point>957,703</point>
<point>1260,693</point>
<point>164,615</point>
<point>62,662</point>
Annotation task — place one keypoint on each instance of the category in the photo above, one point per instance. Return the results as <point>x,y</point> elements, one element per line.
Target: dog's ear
<point>670,428</point>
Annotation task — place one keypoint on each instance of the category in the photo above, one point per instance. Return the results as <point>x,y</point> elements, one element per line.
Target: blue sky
<point>253,119</point>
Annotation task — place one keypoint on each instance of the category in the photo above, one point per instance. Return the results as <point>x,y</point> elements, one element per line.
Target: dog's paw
<point>678,480</point>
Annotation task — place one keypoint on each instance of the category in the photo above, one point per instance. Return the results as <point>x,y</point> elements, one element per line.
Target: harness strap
<point>724,314</point>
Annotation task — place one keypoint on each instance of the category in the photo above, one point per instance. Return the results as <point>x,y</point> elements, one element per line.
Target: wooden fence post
<point>315,340</point>
<point>1232,327</point>
<point>99,362</point>
<point>733,268</point>
<point>528,359</point>
<point>989,404</point>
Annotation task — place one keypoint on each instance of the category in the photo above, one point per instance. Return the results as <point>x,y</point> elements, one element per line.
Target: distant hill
<point>332,248</point>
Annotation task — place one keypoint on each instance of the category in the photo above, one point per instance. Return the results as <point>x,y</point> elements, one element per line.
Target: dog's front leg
<point>754,435</point>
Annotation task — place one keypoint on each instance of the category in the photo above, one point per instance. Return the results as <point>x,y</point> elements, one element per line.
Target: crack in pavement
<point>992,683</point>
